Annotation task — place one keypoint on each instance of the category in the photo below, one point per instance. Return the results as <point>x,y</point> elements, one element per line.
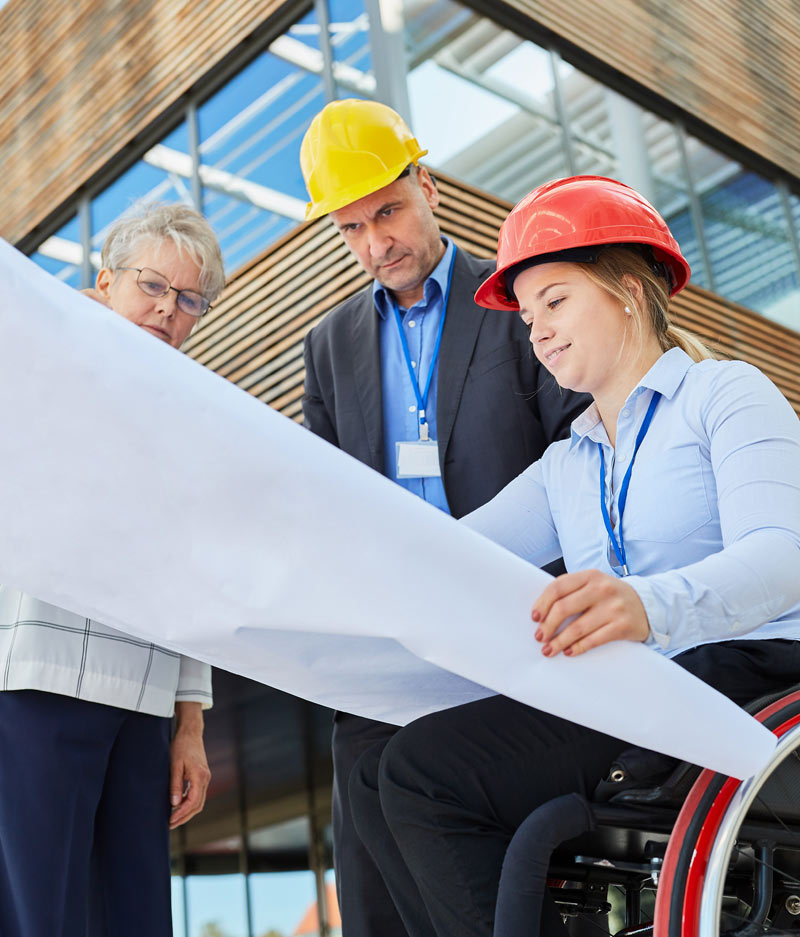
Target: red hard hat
<point>582,211</point>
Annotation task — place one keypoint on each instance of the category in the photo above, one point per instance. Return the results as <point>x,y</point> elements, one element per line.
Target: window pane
<point>794,203</point>
<point>586,107</point>
<point>178,917</point>
<point>747,235</point>
<point>250,135</point>
<point>306,30</point>
<point>162,175</point>
<point>352,59</point>
<point>62,254</point>
<point>217,906</point>
<point>512,140</point>
<point>787,310</point>
<point>285,903</point>
<point>667,186</point>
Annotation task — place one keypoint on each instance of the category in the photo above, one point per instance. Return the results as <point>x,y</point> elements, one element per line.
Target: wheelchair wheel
<point>732,866</point>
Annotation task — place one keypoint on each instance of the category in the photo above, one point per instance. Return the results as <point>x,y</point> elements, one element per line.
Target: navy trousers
<point>84,819</point>
<point>437,804</point>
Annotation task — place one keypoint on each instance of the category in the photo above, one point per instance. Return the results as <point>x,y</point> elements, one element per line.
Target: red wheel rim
<point>695,876</point>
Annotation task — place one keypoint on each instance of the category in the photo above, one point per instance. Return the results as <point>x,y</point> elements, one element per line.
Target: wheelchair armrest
<point>668,791</point>
<point>640,776</point>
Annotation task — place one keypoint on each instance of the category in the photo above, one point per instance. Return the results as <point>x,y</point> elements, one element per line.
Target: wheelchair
<point>696,854</point>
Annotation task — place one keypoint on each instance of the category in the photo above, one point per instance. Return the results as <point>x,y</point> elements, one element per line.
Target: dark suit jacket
<point>497,408</point>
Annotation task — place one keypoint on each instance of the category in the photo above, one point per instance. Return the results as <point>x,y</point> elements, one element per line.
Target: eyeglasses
<point>155,284</point>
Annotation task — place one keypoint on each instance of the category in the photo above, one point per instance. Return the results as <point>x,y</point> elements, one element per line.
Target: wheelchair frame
<point>723,856</point>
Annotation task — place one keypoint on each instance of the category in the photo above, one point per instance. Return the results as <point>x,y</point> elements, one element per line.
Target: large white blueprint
<point>140,489</point>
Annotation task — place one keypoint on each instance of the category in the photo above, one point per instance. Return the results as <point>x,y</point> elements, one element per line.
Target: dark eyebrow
<point>394,204</point>
<point>386,205</point>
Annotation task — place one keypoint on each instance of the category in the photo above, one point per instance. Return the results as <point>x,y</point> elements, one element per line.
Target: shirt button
<point>413,364</point>
<point>412,409</point>
<point>626,412</point>
<point>412,323</point>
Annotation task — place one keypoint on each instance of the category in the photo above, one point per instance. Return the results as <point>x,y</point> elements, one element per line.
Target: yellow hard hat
<point>352,149</point>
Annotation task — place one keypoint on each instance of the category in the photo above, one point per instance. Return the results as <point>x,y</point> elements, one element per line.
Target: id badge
<point>419,459</point>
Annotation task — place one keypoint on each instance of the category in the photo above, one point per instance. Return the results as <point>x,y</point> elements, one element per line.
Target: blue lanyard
<point>422,396</point>
<point>619,548</point>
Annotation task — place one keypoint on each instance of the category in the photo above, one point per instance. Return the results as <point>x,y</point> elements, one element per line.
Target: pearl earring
<point>628,311</point>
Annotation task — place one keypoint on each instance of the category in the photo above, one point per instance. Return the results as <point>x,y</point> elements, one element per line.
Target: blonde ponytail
<point>676,337</point>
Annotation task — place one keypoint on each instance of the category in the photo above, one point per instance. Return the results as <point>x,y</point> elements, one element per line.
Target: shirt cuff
<point>659,637</point>
<point>194,683</point>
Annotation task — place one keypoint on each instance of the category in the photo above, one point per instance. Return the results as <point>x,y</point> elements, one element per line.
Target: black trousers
<point>367,909</point>
<point>436,805</point>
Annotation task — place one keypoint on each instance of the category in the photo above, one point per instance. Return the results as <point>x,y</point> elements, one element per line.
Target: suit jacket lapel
<point>462,325</point>
<point>365,345</point>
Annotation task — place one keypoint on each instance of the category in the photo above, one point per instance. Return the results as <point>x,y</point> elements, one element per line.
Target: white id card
<point>418,459</point>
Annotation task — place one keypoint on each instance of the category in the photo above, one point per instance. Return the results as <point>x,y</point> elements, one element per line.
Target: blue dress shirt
<point>400,417</point>
<point>712,521</point>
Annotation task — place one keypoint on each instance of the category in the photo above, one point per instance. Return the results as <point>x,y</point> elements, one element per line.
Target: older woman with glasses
<point>91,781</point>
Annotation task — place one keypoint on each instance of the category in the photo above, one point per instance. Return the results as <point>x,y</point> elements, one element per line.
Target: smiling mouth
<point>552,356</point>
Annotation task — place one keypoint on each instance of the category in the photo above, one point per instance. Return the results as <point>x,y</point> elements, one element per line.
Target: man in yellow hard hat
<point>413,378</point>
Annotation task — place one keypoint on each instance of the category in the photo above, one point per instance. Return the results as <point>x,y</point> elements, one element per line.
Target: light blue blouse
<point>712,521</point>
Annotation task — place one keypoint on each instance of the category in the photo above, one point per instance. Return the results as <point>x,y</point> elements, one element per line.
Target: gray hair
<point>186,228</point>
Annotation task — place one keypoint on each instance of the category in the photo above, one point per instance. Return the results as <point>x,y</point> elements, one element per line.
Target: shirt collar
<point>665,376</point>
<point>436,279</point>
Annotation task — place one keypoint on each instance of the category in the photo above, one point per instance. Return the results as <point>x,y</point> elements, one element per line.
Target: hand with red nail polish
<point>579,611</point>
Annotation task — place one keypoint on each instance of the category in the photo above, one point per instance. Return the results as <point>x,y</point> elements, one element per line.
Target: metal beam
<point>325,47</point>
<point>695,208</point>
<point>85,226</point>
<point>386,29</point>
<point>311,60</point>
<point>193,127</point>
<point>68,252</point>
<point>228,183</point>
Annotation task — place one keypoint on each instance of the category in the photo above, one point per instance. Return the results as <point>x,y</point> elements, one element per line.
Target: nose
<point>167,304</point>
<point>540,332</point>
<point>379,242</point>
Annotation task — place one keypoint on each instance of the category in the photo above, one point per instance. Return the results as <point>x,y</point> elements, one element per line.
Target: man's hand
<point>603,608</point>
<point>189,772</point>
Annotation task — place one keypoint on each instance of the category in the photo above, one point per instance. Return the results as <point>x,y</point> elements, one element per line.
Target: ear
<point>428,186</point>
<point>634,286</point>
<point>102,284</point>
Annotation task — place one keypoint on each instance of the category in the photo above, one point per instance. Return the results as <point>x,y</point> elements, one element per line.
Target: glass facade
<point>257,861</point>
<point>262,904</point>
<point>532,117</point>
<point>250,133</point>
<point>351,53</point>
<point>62,254</point>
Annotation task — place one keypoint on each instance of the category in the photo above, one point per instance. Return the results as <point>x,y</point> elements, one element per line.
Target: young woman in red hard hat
<point>676,507</point>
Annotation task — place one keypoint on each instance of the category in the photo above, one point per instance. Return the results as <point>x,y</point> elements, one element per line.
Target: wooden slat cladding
<point>734,64</point>
<point>254,335</point>
<point>81,80</point>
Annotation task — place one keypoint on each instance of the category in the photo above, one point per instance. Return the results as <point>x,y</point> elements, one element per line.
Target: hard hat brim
<point>359,190</point>
<point>493,293</point>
